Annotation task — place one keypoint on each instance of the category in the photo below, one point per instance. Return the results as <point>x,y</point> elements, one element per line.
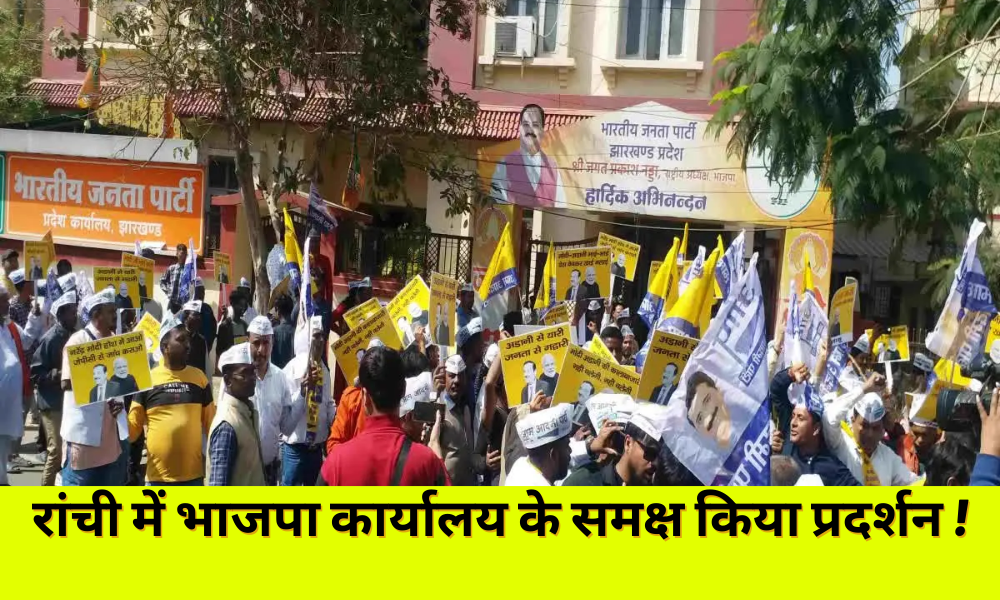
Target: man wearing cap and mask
<point>302,450</point>
<point>251,313</point>
<point>95,443</point>
<point>471,347</point>
<point>630,346</point>
<point>209,325</point>
<point>20,302</point>
<point>465,310</point>
<point>46,375</point>
<point>456,442</point>
<point>277,413</point>
<point>637,464</point>
<point>545,436</point>
<point>191,319</point>
<point>234,449</point>
<point>853,429</point>
<point>174,414</point>
<point>383,454</point>
<point>233,328</point>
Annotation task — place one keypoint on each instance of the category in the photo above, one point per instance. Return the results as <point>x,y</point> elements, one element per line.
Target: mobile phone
<point>425,412</point>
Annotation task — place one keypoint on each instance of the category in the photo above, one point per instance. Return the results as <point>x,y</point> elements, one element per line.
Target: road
<point>29,449</point>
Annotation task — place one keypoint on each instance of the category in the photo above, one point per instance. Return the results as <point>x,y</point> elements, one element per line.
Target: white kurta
<point>11,382</point>
<point>525,474</point>
<point>274,405</point>
<point>295,373</point>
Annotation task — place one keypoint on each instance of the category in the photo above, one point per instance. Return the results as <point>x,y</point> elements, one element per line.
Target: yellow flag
<point>710,299</point>
<point>662,289</point>
<point>293,256</point>
<point>547,295</point>
<point>686,315</point>
<point>502,272</point>
<point>682,253</point>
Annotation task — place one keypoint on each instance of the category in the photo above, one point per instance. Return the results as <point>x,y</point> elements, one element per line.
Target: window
<point>546,13</point>
<point>642,27</point>
<point>221,182</point>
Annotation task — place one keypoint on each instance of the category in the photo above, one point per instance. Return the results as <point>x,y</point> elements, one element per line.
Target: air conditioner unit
<point>515,36</point>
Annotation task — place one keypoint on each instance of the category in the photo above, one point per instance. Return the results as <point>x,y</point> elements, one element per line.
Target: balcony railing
<point>401,254</point>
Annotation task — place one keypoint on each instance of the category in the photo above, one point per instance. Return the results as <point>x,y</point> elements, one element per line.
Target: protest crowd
<point>492,391</point>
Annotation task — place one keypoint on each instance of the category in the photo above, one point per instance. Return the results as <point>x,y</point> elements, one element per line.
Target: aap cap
<point>418,389</point>
<point>237,355</point>
<point>491,355</point>
<point>594,305</point>
<point>870,408</point>
<point>862,345</point>
<point>651,419</point>
<point>627,331</point>
<point>192,306</point>
<point>617,407</point>
<point>105,296</point>
<point>198,283</point>
<point>171,322</point>
<point>454,365</point>
<point>472,328</point>
<point>810,479</point>
<point>801,394</point>
<point>467,288</point>
<point>624,314</point>
<point>67,282</point>
<point>17,276</point>
<point>244,283</point>
<point>545,426</point>
<point>923,362</point>
<point>316,323</point>
<point>64,300</point>
<point>360,283</point>
<point>260,325</point>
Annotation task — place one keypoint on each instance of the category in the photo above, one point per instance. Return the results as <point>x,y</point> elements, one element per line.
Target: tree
<point>344,66</point>
<point>812,93</point>
<point>18,65</point>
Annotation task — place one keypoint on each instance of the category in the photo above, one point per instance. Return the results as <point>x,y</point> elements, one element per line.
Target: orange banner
<point>104,203</point>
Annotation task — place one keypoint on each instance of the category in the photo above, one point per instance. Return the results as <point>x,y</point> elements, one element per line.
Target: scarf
<point>868,471</point>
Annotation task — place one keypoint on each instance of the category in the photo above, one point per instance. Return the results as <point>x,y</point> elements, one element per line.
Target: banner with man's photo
<point>109,368</point>
<point>532,362</point>
<point>584,374</point>
<point>667,357</point>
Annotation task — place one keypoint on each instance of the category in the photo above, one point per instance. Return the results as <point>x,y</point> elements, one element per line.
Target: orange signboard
<point>104,202</point>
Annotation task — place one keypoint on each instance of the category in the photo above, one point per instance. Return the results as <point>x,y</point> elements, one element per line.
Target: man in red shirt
<point>382,454</point>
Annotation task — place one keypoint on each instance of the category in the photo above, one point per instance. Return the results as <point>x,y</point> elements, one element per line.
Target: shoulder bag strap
<point>404,453</point>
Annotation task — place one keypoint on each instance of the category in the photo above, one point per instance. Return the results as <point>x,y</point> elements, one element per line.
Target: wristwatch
<point>590,453</point>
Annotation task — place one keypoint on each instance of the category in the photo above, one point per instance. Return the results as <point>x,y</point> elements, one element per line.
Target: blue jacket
<point>986,471</point>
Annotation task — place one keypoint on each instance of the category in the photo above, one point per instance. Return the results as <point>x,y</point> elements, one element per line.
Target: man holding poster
<point>580,272</point>
<point>842,315</point>
<point>442,328</point>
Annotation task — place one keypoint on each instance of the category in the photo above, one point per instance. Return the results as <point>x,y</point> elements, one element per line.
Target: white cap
<point>491,355</point>
<point>545,426</point>
<point>418,389</point>
<point>237,355</point>
<point>67,282</point>
<point>923,362</point>
<point>870,408</point>
<point>472,328</point>
<point>810,479</point>
<point>61,301</point>
<point>260,325</point>
<point>17,276</point>
<point>198,282</point>
<point>316,322</point>
<point>105,296</point>
<point>862,345</point>
<point>617,407</point>
<point>244,283</point>
<point>192,306</point>
<point>375,343</point>
<point>624,314</point>
<point>360,283</point>
<point>651,418</point>
<point>594,305</point>
<point>454,365</point>
<point>415,310</point>
<point>626,330</point>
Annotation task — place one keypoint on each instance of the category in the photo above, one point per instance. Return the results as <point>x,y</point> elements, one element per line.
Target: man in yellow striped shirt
<point>175,414</point>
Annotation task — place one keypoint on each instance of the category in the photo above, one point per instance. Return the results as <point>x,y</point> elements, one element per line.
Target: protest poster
<point>144,269</point>
<point>721,433</point>
<point>223,267</point>
<point>150,328</point>
<point>350,349</point>
<point>362,312</point>
<point>993,334</point>
<point>598,347</point>
<point>37,259</point>
<point>668,355</point>
<point>624,255</point>
<point>654,266</point>
<point>443,320</point>
<point>561,313</point>
<point>523,356</point>
<point>967,312</point>
<point>109,368</point>
<point>409,309</point>
<point>584,374</point>
<point>893,346</point>
<point>125,280</point>
<point>842,315</point>
<point>580,272</point>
